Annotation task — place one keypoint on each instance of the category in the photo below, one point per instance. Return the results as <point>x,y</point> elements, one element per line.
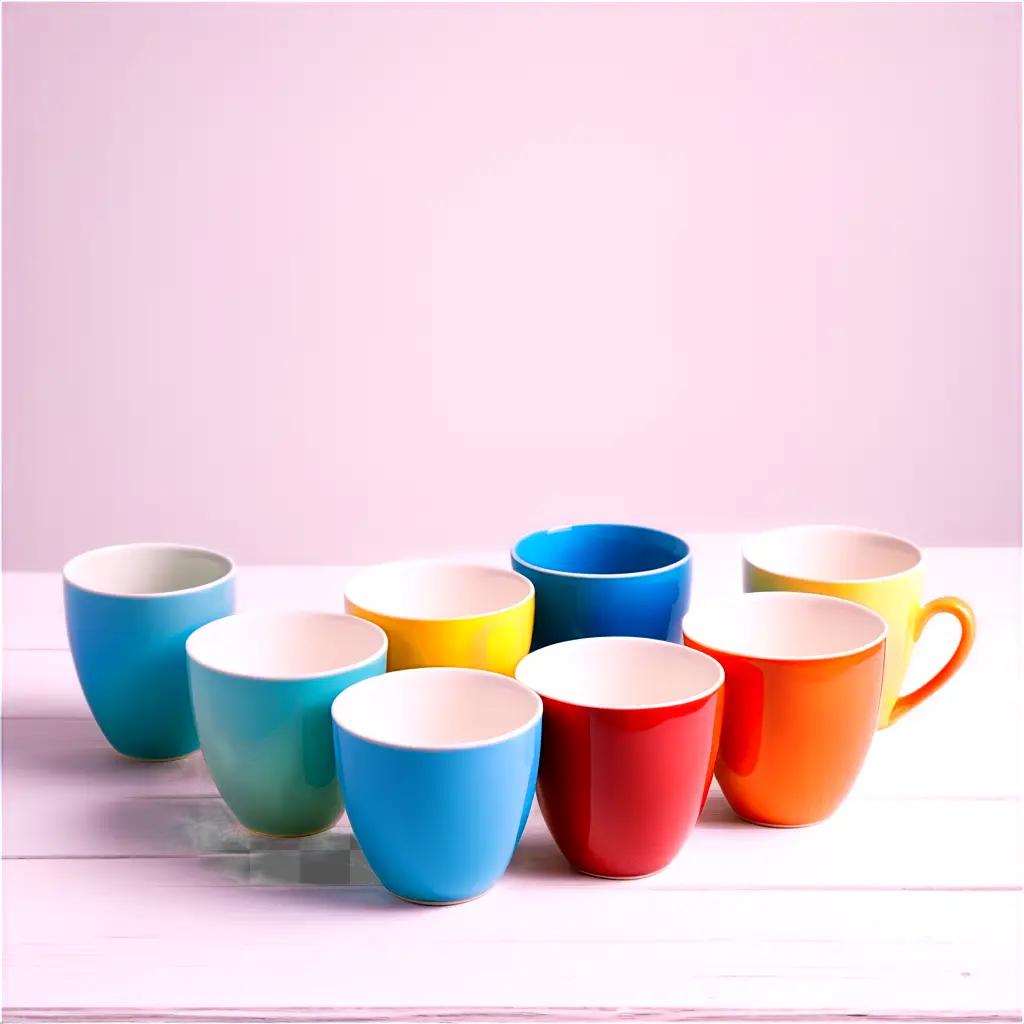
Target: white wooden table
<point>130,893</point>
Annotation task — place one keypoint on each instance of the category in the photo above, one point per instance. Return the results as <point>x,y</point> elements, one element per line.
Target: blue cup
<point>438,767</point>
<point>262,687</point>
<point>605,580</point>
<point>129,610</point>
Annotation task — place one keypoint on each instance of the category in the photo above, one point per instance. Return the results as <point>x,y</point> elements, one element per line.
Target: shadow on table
<point>537,856</point>
<point>171,809</point>
<point>75,749</point>
<point>718,814</point>
<point>206,829</point>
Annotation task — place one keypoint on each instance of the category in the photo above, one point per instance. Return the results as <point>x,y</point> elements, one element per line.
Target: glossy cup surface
<point>438,766</point>
<point>630,730</point>
<point>803,680</point>
<point>441,614</point>
<point>129,610</point>
<point>881,572</point>
<point>262,687</point>
<point>600,579</point>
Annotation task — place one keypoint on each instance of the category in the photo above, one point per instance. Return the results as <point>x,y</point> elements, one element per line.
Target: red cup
<point>629,738</point>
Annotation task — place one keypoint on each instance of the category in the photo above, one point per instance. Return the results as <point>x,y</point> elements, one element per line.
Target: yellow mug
<point>440,614</point>
<point>882,572</point>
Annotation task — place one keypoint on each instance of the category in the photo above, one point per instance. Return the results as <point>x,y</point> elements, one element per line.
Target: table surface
<point>131,893</point>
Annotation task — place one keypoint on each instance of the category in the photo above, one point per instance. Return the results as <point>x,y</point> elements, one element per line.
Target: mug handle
<point>962,611</point>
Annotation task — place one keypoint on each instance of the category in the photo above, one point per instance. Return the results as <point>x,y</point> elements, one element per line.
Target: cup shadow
<point>717,814</point>
<point>327,872</point>
<point>204,828</point>
<point>60,748</point>
<point>537,856</point>
<point>171,809</point>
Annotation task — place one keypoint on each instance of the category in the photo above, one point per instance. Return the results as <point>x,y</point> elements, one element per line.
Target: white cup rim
<point>758,561</point>
<point>402,569</point>
<point>699,624</point>
<point>422,676</point>
<point>230,622</point>
<point>70,567</point>
<point>599,647</point>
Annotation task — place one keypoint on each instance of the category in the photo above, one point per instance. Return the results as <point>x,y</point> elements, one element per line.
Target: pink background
<point>336,284</point>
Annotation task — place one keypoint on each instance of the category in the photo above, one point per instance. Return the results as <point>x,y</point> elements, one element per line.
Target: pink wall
<point>329,283</point>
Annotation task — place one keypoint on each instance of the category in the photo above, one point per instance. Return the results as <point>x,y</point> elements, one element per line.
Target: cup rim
<point>630,527</point>
<point>387,677</point>
<point>786,596</point>
<point>686,652</point>
<point>367,570</point>
<point>290,677</point>
<point>149,546</point>
<point>862,531</point>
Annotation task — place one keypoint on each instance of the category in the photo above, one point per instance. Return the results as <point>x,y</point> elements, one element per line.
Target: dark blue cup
<point>602,579</point>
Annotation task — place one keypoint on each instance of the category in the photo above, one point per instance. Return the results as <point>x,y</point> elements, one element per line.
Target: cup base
<point>620,878</point>
<point>776,824</point>
<point>289,835</point>
<point>440,903</point>
<point>154,760</point>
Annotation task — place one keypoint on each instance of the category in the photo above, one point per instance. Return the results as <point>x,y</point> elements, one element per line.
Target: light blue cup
<point>262,687</point>
<point>438,767</point>
<point>129,610</point>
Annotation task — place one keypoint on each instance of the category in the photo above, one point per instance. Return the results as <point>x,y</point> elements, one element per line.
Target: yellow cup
<point>882,572</point>
<point>440,614</point>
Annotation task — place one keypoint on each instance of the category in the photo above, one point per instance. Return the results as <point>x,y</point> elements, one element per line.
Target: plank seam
<point>485,1014</point>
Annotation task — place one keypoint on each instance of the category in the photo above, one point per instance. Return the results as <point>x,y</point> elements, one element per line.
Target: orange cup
<point>803,684</point>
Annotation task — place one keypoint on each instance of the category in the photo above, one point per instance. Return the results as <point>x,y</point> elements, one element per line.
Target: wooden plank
<point>496,1015</point>
<point>34,602</point>
<point>987,577</point>
<point>67,794</point>
<point>155,934</point>
<point>134,895</point>
<point>42,684</point>
<point>953,746</point>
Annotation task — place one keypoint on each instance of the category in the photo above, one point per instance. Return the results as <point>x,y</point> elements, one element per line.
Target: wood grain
<point>157,933</point>
<point>498,1015</point>
<point>66,794</point>
<point>131,894</point>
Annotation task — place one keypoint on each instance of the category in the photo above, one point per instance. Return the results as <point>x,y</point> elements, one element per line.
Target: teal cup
<point>262,687</point>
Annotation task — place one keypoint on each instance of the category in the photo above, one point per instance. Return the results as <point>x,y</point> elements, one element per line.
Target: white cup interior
<point>831,553</point>
<point>286,645</point>
<point>437,590</point>
<point>784,626</point>
<point>436,708</point>
<point>146,570</point>
<point>620,672</point>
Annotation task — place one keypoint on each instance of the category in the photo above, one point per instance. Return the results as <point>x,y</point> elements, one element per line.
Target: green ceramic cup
<point>262,686</point>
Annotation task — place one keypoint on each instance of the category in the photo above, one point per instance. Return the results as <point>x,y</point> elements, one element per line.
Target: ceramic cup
<point>803,680</point>
<point>879,571</point>
<point>438,766</point>
<point>605,580</point>
<point>262,687</point>
<point>630,729</point>
<point>439,614</point>
<point>129,610</point>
